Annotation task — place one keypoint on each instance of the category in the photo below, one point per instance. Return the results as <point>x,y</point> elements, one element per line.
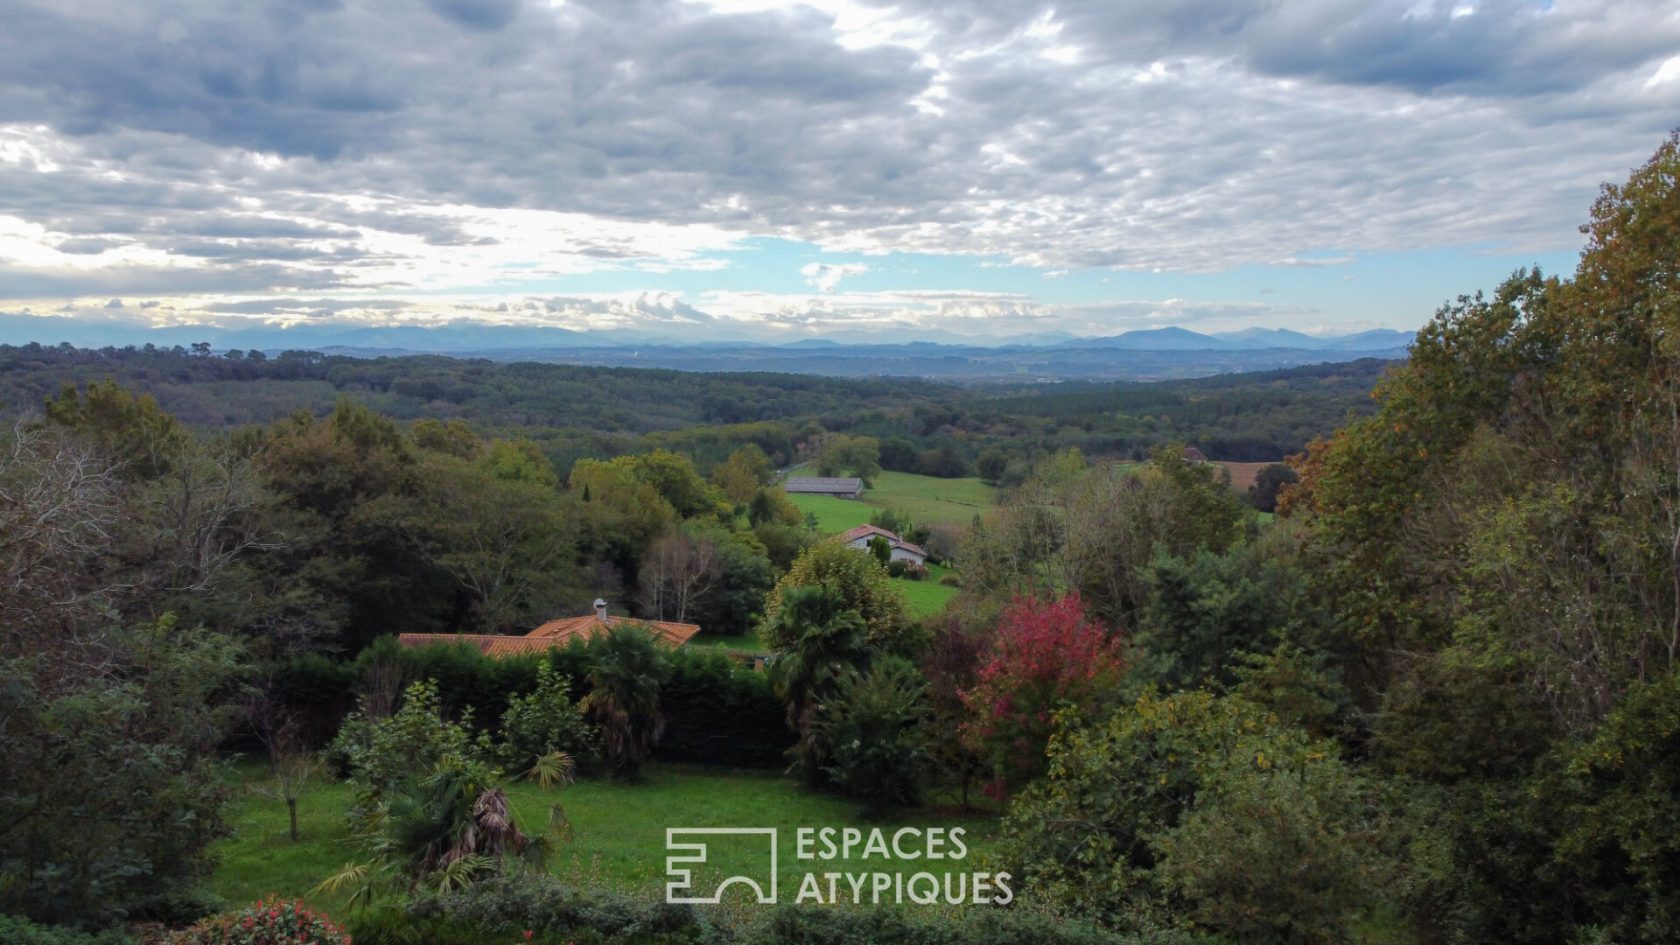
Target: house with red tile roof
<point>555,633</point>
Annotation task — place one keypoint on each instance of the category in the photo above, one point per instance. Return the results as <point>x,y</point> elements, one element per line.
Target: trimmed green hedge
<point>718,711</point>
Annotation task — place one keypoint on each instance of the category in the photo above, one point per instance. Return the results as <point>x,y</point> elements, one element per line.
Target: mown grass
<point>927,596</point>
<point>931,501</point>
<point>926,499</point>
<point>618,831</point>
<point>834,515</point>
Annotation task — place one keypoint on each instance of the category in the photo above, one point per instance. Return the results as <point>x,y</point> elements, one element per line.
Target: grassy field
<point>834,515</point>
<point>618,831</point>
<point>927,500</point>
<point>1242,474</point>
<point>927,596</point>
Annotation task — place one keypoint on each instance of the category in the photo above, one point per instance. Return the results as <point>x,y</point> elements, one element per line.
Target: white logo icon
<point>683,854</point>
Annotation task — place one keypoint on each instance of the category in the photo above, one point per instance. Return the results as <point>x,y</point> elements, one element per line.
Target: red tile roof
<point>489,644</point>
<point>870,531</point>
<point>866,531</point>
<point>555,633</point>
<point>566,629</point>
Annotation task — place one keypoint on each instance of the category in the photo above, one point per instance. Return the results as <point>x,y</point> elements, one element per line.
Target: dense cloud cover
<point>207,151</point>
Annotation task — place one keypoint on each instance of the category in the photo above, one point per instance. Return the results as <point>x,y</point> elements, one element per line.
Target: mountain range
<point>483,339</point>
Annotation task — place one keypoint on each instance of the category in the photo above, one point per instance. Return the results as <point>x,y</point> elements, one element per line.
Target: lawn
<point>618,831</point>
<point>927,596</point>
<point>931,501</point>
<point>834,515</point>
<point>926,499</point>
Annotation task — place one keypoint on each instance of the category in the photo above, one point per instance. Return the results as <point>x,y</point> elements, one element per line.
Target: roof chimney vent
<point>601,609</point>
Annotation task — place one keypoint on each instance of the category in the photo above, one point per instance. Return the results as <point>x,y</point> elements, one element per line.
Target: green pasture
<point>926,499</point>
<point>618,832</point>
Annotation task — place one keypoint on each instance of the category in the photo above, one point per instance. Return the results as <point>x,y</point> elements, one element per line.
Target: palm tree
<point>828,640</point>
<point>627,669</point>
<point>450,828</point>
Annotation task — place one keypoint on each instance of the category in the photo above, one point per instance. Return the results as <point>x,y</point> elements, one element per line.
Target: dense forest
<point>573,412</point>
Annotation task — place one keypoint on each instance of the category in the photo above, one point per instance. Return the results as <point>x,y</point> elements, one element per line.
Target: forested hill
<point>574,411</point>
<point>212,390</point>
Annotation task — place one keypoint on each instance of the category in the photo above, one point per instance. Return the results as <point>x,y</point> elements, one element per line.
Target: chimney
<point>600,610</point>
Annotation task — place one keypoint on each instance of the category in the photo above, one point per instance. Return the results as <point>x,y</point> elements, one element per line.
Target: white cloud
<point>827,276</point>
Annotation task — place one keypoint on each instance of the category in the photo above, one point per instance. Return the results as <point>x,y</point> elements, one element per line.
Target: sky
<point>844,168</point>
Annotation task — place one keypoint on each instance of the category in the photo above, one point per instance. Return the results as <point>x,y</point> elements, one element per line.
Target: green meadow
<point>926,499</point>
<point>618,832</point>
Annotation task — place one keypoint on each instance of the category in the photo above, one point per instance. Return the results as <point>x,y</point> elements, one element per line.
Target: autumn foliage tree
<point>1045,657</point>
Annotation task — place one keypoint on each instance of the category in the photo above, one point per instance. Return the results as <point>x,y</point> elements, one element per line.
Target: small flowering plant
<point>269,922</point>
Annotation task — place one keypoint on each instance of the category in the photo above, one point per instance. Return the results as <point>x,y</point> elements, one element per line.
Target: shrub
<point>110,794</point>
<point>270,922</point>
<point>1044,657</point>
<point>178,906</point>
<point>796,925</point>
<point>378,753</point>
<point>1200,808</point>
<point>543,722</point>
<point>861,582</point>
<point>16,930</point>
<point>872,725</point>
<point>507,905</point>
<point>950,580</point>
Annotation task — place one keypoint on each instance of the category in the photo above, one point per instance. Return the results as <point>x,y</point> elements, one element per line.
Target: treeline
<point>574,412</point>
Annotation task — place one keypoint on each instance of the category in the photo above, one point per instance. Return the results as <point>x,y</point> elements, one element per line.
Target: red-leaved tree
<point>1045,656</point>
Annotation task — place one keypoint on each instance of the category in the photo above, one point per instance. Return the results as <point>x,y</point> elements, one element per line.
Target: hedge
<point>718,711</point>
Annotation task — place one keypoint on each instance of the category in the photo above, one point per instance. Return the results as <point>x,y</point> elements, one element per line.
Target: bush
<point>507,905</point>
<point>950,580</point>
<point>16,930</point>
<point>110,793</point>
<point>1045,656</point>
<point>872,726</point>
<point>1193,807</point>
<point>906,569</point>
<point>377,753</point>
<point>718,710</point>
<point>177,906</point>
<point>270,922</point>
<point>796,925</point>
<point>543,722</point>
